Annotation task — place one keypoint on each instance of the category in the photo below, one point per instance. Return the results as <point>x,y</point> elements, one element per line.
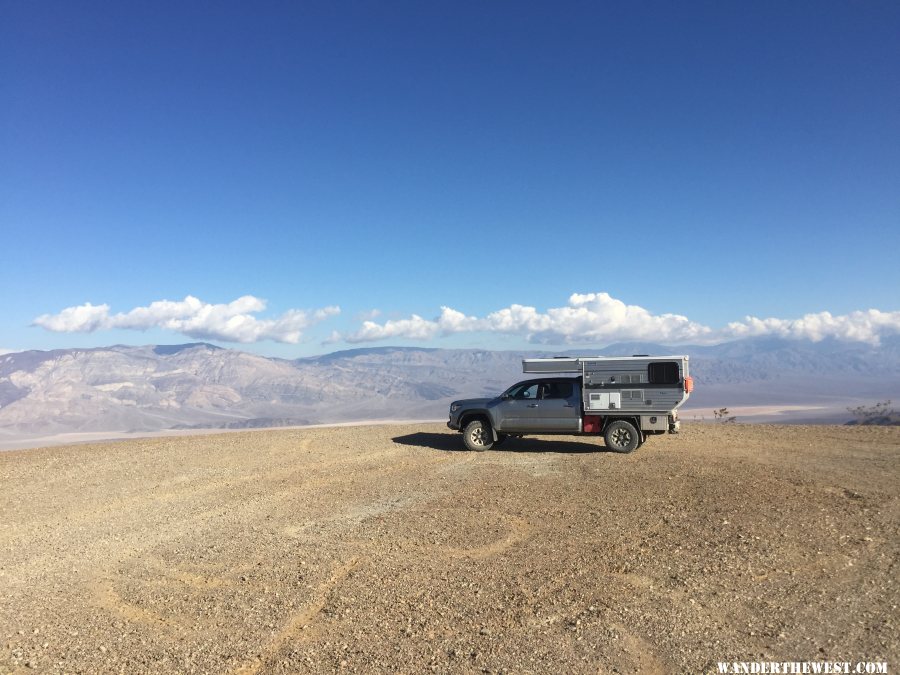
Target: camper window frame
<point>669,370</point>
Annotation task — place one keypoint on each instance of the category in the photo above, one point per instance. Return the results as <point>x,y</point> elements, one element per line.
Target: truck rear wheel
<point>477,436</point>
<point>621,436</point>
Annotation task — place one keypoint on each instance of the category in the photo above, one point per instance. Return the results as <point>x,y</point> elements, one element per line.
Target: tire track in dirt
<point>299,621</point>
<point>106,597</point>
<point>265,496</point>
<point>647,660</point>
<point>517,532</point>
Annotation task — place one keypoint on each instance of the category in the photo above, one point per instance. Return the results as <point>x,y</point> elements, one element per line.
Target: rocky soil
<point>390,549</point>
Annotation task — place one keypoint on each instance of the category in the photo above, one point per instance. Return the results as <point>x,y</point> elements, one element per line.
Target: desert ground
<point>391,549</point>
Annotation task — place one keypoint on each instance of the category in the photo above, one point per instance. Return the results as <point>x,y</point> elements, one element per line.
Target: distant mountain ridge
<point>198,385</point>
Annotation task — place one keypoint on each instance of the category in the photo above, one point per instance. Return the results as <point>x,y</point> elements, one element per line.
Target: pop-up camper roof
<point>577,364</point>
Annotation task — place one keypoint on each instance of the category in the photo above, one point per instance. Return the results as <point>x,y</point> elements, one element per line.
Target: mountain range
<point>200,386</point>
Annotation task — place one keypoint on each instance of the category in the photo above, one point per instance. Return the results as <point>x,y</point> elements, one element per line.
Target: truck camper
<point>625,399</point>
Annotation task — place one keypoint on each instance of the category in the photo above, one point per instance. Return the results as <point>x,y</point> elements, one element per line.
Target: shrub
<point>880,414</point>
<point>722,415</point>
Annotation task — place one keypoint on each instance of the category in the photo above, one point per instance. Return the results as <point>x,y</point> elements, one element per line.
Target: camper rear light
<point>689,384</point>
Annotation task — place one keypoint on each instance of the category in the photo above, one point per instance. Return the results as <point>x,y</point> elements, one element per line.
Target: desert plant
<point>722,415</point>
<point>880,413</point>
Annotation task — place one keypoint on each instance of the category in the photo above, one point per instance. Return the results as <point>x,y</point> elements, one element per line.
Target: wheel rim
<point>478,436</point>
<point>621,438</point>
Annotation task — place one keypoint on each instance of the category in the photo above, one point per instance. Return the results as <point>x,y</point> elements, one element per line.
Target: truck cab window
<point>524,391</point>
<point>556,390</point>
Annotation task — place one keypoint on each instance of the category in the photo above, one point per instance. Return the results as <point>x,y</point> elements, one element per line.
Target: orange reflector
<point>689,384</point>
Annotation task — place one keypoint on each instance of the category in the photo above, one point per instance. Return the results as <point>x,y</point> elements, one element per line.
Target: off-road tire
<point>477,436</point>
<point>621,436</point>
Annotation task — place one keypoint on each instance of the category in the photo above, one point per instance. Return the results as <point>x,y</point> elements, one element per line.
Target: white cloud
<point>861,326</point>
<point>85,318</point>
<point>415,328</point>
<point>600,318</point>
<point>450,321</point>
<point>232,322</point>
<point>595,317</point>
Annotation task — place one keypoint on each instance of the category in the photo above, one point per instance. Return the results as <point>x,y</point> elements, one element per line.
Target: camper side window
<point>663,372</point>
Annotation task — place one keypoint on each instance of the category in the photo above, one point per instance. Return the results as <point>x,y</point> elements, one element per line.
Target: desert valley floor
<point>390,549</point>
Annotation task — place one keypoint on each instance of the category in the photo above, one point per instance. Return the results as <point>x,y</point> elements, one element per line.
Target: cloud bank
<point>861,326</point>
<point>232,322</point>
<point>600,318</point>
<point>588,318</point>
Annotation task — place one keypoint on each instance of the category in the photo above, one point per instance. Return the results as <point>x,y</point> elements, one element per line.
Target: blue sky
<point>633,170</point>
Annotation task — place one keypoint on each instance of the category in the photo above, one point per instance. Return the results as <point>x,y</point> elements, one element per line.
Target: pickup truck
<point>623,399</point>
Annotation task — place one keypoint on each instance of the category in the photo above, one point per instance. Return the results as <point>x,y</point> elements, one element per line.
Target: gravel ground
<point>389,549</point>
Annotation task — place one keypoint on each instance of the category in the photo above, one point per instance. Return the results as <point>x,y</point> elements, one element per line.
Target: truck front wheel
<point>477,436</point>
<point>621,436</point>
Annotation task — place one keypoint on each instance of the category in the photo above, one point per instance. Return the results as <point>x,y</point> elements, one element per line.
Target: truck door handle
<point>532,405</point>
<point>568,405</point>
